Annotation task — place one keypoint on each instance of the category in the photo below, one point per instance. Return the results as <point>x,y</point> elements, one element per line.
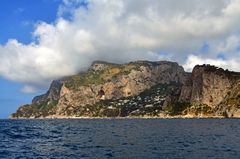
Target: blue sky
<point>43,40</point>
<point>17,22</point>
<point>11,97</point>
<point>18,17</point>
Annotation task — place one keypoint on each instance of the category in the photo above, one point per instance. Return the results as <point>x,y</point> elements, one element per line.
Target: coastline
<point>128,117</point>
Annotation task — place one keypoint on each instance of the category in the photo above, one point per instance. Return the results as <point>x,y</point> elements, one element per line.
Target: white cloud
<point>193,60</point>
<point>122,31</point>
<point>28,89</point>
<point>229,45</point>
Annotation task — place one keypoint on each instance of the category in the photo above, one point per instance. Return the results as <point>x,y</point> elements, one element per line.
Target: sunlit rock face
<point>208,85</point>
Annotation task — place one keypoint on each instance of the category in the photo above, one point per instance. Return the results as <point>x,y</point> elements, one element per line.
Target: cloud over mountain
<point>187,31</point>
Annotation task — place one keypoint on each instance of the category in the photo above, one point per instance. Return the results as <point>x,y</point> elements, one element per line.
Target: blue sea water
<point>120,138</point>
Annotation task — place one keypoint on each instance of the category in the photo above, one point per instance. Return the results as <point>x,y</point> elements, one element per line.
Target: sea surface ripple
<point>120,138</point>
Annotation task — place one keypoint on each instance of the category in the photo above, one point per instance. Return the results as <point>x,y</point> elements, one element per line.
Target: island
<point>142,89</point>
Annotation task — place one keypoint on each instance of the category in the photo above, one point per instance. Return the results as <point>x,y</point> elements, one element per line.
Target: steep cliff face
<point>53,93</point>
<point>230,106</point>
<point>140,88</point>
<point>212,88</point>
<point>208,85</point>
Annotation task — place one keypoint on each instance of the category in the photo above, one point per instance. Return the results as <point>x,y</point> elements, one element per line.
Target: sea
<point>120,138</point>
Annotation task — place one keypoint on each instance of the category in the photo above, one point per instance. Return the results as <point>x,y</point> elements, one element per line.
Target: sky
<point>48,39</point>
<point>18,20</point>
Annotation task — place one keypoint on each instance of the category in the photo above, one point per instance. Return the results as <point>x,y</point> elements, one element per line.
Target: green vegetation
<point>233,97</point>
<point>177,108</point>
<point>42,109</point>
<point>149,102</point>
<point>161,89</point>
<point>99,77</point>
<point>187,108</point>
<point>85,79</point>
<point>233,101</point>
<point>99,109</point>
<point>200,109</point>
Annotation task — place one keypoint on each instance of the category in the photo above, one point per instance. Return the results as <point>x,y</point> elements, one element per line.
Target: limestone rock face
<point>72,99</point>
<point>137,78</point>
<point>143,77</point>
<point>215,85</point>
<point>186,91</point>
<point>101,65</point>
<point>230,106</point>
<point>208,85</point>
<point>52,94</point>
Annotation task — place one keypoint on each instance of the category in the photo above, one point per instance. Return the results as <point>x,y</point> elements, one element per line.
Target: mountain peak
<point>101,65</point>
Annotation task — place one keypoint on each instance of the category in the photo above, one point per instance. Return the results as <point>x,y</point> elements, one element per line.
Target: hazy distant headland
<point>139,89</point>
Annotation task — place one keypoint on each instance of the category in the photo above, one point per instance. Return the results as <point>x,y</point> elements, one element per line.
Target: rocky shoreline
<point>146,117</point>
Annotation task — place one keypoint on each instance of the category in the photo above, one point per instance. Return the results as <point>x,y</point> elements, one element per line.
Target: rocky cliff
<point>209,87</point>
<point>141,88</point>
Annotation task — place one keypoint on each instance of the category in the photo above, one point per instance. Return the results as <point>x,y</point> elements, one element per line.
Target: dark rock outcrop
<point>53,94</point>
